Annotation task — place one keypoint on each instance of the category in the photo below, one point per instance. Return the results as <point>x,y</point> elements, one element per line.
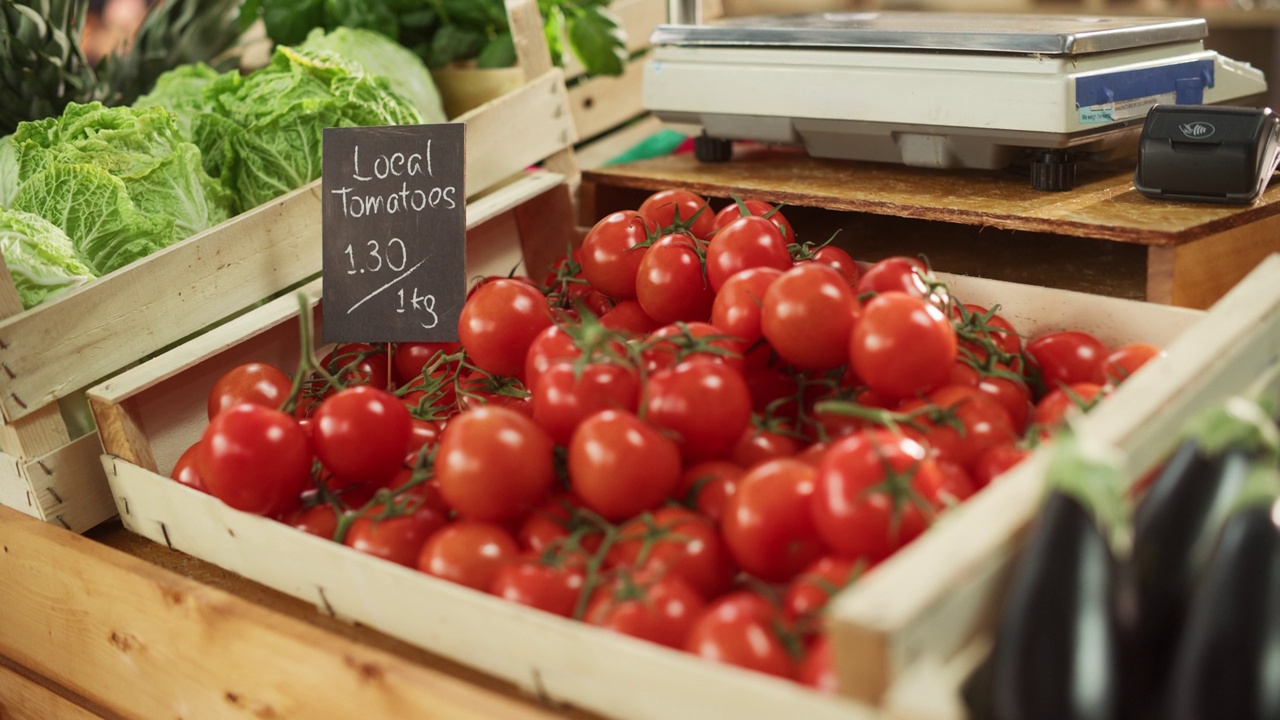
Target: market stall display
<point>54,350</point>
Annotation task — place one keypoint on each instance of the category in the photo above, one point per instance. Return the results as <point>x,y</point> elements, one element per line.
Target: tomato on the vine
<point>361,434</point>
<point>706,487</point>
<point>410,358</point>
<point>812,588</point>
<point>875,491</point>
<point>745,630</point>
<point>257,383</point>
<point>742,244</point>
<point>398,535</point>
<point>568,394</point>
<point>671,283</point>
<point>468,552</point>
<point>736,309</point>
<point>620,465</point>
<point>255,459</point>
<point>186,471</point>
<point>704,402</point>
<point>1125,361</point>
<point>551,585</point>
<point>667,209</point>
<point>499,322</point>
<point>733,211</point>
<point>610,257</point>
<point>767,523</point>
<point>958,423</point>
<point>654,607</point>
<point>807,316</point>
<point>358,364</point>
<point>679,542</point>
<point>1068,357</point>
<point>494,464</point>
<point>902,345</point>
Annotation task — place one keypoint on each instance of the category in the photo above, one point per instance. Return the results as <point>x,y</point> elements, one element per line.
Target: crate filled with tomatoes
<point>691,448</point>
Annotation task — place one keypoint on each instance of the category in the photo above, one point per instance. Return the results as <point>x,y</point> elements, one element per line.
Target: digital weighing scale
<point>932,89</point>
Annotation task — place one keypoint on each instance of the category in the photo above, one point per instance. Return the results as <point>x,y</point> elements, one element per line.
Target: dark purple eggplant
<point>1174,528</point>
<point>1227,664</point>
<point>1056,654</point>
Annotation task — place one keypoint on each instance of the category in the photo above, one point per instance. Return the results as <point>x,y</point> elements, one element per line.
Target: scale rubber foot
<point>1053,171</point>
<point>709,149</point>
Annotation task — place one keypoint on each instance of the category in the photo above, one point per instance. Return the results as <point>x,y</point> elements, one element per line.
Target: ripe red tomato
<point>398,538</point>
<point>620,465</point>
<point>410,357</point>
<point>185,470</point>
<point>467,552</point>
<point>705,403</point>
<point>358,364</point>
<point>1054,407</point>
<point>1125,361</point>
<point>566,395</point>
<point>494,464</point>
<point>257,383</point>
<point>678,542</point>
<point>361,434</point>
<point>807,317</point>
<point>987,328</point>
<point>629,318</point>
<point>556,522</point>
<point>1068,357</point>
<point>670,283</point>
<point>875,491</point>
<point>768,525</point>
<point>960,424</point>
<point>840,260</point>
<point>657,608</point>
<point>706,487</point>
<point>549,347</point>
<point>745,630</point>
<point>808,592</point>
<point>666,209</point>
<point>672,344</point>
<point>736,309</point>
<point>546,585</point>
<point>255,459</point>
<point>894,274</point>
<point>902,345</point>
<point>499,322</point>
<point>320,520</point>
<point>733,211</point>
<point>817,669</point>
<point>742,244</point>
<point>608,261</point>
<point>994,461</point>
<point>761,444</point>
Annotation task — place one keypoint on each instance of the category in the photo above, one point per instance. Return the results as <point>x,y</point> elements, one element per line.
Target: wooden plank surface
<point>26,696</point>
<point>1104,204</point>
<point>148,643</point>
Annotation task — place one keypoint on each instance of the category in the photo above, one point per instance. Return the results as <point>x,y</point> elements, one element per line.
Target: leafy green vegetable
<point>597,40</point>
<point>261,134</point>
<point>454,42</point>
<point>499,53</point>
<point>120,182</point>
<point>40,257</point>
<point>181,91</point>
<point>383,57</point>
<point>288,21</point>
<point>8,171</point>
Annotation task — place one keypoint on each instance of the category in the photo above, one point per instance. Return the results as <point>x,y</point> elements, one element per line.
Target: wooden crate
<point>56,349</point>
<point>920,622</point>
<point>150,414</point>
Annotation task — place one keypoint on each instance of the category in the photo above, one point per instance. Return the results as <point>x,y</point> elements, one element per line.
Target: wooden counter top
<point>112,625</point>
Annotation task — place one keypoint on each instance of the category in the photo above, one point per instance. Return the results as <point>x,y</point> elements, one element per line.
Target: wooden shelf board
<point>1104,204</point>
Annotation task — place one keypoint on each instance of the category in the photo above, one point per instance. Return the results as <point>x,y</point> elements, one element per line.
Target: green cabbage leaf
<point>41,259</point>
<point>383,57</point>
<point>181,92</point>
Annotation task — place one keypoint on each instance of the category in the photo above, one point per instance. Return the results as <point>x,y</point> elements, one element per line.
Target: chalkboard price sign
<point>394,233</point>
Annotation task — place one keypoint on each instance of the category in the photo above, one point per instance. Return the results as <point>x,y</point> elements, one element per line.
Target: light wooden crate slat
<point>603,103</point>
<point>937,595</point>
<point>24,698</point>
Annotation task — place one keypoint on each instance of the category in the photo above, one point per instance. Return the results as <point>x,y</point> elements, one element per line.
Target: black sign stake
<point>394,233</point>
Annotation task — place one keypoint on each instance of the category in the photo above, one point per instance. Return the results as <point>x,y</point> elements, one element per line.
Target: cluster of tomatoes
<point>695,431</point>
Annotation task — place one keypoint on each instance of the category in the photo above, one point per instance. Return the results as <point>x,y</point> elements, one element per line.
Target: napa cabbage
<point>40,257</point>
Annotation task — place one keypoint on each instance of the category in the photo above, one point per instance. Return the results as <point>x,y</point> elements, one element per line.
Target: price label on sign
<point>394,233</point>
